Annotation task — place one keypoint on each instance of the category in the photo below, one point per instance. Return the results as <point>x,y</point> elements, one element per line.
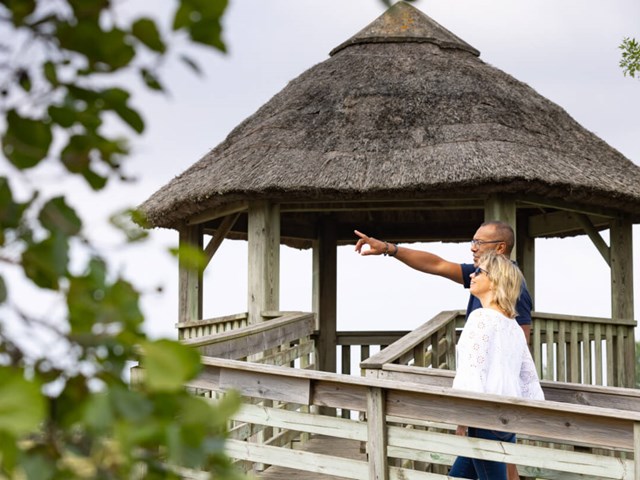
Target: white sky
<point>566,50</point>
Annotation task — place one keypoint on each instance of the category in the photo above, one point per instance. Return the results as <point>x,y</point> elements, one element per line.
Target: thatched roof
<point>403,110</point>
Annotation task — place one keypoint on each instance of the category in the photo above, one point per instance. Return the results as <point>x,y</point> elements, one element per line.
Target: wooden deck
<point>334,447</point>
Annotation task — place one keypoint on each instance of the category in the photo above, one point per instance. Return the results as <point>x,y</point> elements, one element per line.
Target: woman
<point>493,356</point>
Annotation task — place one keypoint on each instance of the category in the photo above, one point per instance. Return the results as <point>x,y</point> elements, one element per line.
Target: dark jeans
<point>465,467</point>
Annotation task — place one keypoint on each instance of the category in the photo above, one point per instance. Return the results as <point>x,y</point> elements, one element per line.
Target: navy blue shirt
<point>523,305</point>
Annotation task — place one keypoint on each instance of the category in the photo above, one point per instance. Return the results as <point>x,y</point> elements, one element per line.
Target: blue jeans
<point>474,468</point>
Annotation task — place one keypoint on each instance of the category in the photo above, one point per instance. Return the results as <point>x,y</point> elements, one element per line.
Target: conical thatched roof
<point>403,110</point>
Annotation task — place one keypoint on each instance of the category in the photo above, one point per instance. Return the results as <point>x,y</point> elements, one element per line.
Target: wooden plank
<point>597,344</point>
<point>575,393</point>
<point>441,447</point>
<point>213,321</point>
<point>263,232</point>
<point>513,416</point>
<point>574,354</point>
<point>581,319</point>
<point>586,355</point>
<point>296,459</point>
<point>611,357</point>
<point>549,370</point>
<point>377,434</point>
<point>590,210</point>
<point>386,337</point>
<point>562,352</point>
<point>536,346</point>
<point>263,385</point>
<point>304,422</point>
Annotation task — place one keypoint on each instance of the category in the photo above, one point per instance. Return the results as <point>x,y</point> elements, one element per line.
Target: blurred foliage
<point>630,61</point>
<point>80,419</point>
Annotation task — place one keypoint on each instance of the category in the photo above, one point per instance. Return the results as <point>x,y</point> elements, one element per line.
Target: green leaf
<point>22,405</point>
<point>46,261</point>
<point>3,290</point>
<point>116,100</point>
<point>38,466</point>
<point>50,72</point>
<point>168,365</point>
<point>76,156</point>
<point>147,32</point>
<point>130,405</point>
<point>151,80</point>
<point>10,211</point>
<point>63,115</point>
<point>191,257</point>
<point>26,141</point>
<point>123,221</point>
<point>202,20</point>
<point>24,79</point>
<point>57,216</point>
<point>105,50</point>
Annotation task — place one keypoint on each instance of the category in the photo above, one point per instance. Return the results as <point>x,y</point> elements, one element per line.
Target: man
<point>494,235</point>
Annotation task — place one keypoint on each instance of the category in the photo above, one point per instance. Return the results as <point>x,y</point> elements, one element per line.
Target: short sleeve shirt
<point>523,305</point>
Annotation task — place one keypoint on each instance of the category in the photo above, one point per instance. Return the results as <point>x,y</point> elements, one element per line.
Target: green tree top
<point>79,418</point>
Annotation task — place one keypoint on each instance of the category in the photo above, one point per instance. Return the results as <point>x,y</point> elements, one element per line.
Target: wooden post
<point>502,208</point>
<point>325,294</point>
<point>377,434</point>
<point>526,258</point>
<point>622,294</point>
<point>264,259</point>
<point>190,279</point>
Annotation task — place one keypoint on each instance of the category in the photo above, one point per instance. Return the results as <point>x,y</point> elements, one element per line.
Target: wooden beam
<point>264,259</point>
<point>222,211</point>
<point>562,223</point>
<point>377,434</point>
<point>220,234</point>
<point>594,235</point>
<point>533,200</point>
<point>190,279</point>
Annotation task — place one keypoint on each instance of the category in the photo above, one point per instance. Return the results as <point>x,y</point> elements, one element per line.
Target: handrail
<point>407,343</point>
<point>256,338</point>
<point>595,426</point>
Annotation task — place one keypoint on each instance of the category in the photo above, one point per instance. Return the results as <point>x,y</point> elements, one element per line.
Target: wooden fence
<point>403,411</point>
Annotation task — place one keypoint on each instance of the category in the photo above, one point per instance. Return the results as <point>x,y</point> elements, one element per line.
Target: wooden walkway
<point>336,447</point>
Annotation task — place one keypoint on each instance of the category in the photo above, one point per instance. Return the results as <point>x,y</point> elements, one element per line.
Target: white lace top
<point>493,357</point>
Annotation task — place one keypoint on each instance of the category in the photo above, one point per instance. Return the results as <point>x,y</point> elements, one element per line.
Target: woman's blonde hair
<point>506,278</point>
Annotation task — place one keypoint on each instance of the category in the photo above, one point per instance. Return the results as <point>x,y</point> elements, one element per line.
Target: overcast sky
<point>566,50</point>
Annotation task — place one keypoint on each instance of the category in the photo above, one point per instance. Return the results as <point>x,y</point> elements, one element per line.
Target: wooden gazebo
<point>404,132</point>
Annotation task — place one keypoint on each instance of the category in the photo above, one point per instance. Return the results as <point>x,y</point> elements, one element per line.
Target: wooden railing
<point>388,406</point>
<point>593,351</point>
<point>588,350</point>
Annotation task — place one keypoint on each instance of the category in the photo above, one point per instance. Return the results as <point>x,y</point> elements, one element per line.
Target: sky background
<point>566,50</point>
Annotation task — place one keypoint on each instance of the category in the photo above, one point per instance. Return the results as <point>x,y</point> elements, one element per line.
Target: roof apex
<point>404,23</point>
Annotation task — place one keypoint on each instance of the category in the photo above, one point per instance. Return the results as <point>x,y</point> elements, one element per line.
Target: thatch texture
<point>398,116</point>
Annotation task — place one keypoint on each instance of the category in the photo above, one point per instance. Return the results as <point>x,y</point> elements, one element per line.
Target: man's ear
<point>501,249</point>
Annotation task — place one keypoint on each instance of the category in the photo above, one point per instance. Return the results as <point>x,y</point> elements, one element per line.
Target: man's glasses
<point>478,243</point>
<point>479,270</point>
